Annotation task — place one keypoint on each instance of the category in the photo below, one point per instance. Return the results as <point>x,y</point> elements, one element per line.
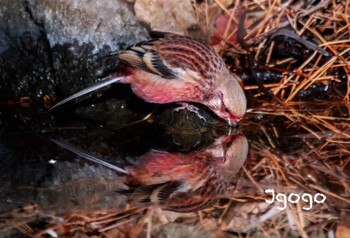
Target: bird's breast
<point>153,88</point>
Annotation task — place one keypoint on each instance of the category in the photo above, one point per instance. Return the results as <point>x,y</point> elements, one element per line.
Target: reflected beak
<point>231,123</point>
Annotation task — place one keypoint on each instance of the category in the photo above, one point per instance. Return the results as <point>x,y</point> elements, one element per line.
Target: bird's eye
<point>226,109</point>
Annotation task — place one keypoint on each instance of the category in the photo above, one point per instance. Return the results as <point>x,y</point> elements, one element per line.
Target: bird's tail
<point>103,83</point>
<point>68,146</point>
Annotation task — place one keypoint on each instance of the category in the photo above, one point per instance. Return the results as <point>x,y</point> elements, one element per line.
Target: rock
<point>166,15</point>
<point>101,23</point>
<point>54,47</point>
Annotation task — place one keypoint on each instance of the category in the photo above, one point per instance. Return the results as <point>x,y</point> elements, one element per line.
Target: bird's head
<point>228,100</point>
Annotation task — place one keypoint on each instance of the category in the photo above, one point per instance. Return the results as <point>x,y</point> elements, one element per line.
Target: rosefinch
<point>180,182</point>
<point>177,68</point>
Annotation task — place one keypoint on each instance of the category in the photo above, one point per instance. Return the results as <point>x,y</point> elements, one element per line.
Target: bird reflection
<point>180,182</point>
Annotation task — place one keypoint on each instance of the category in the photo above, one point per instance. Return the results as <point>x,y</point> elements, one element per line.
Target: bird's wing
<point>145,57</point>
<point>170,55</point>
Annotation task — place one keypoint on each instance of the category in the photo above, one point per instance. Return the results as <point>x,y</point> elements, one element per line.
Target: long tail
<point>103,83</point>
<point>68,146</point>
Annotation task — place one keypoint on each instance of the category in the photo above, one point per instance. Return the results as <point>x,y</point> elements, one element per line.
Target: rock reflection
<point>180,182</point>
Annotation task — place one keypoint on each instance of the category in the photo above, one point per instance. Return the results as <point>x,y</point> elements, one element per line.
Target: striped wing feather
<point>144,56</point>
<point>165,56</point>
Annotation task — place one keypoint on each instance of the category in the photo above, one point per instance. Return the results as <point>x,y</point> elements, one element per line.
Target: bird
<point>177,69</point>
<point>178,181</point>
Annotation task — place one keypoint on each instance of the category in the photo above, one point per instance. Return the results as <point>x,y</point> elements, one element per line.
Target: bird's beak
<point>231,123</point>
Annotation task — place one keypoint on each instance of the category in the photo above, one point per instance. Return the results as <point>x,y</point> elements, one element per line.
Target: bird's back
<point>166,56</point>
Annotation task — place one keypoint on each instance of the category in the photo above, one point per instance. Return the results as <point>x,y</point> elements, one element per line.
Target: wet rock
<point>14,22</point>
<point>51,48</point>
<point>26,69</point>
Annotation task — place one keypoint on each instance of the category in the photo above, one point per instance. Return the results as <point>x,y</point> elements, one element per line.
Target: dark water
<point>189,166</point>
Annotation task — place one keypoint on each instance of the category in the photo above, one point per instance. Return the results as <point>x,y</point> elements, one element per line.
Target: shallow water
<point>182,168</point>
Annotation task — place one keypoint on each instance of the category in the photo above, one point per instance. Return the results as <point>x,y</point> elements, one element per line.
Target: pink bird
<point>181,182</point>
<point>180,69</point>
